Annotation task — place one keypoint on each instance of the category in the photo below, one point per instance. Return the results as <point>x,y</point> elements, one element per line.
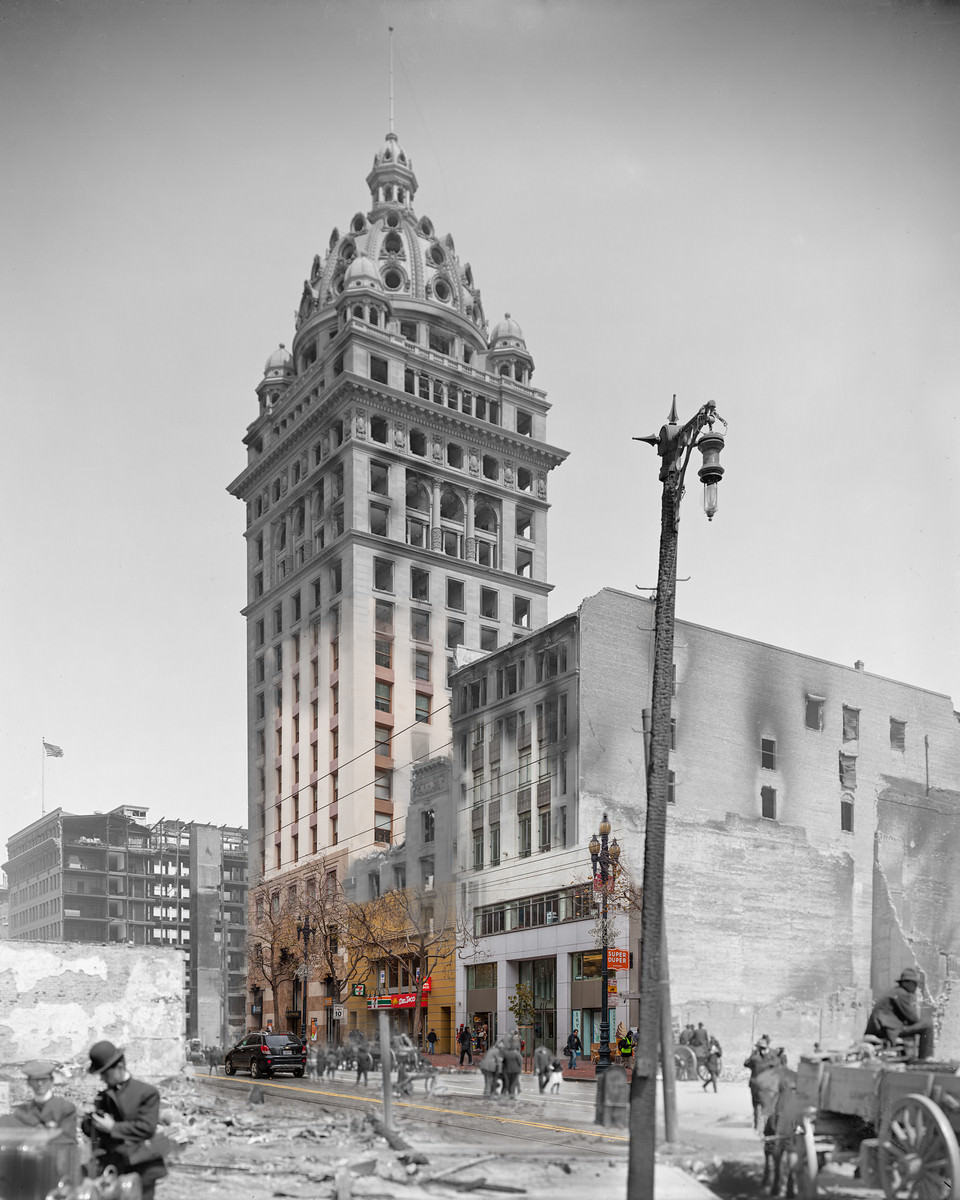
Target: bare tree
<point>271,945</point>
<point>337,949</point>
<point>411,926</point>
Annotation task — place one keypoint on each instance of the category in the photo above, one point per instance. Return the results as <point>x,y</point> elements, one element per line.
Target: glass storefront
<point>540,976</point>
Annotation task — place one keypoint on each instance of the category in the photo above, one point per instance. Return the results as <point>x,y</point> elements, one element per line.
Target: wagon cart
<point>690,1062</point>
<point>898,1118</point>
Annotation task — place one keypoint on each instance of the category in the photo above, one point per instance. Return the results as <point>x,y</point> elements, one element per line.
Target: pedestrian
<point>699,1040</point>
<point>760,1059</point>
<point>712,1063</point>
<point>572,1049</point>
<point>686,1035</point>
<point>542,1058</point>
<point>432,1041</point>
<point>625,1046</point>
<point>512,1066</point>
<point>364,1063</point>
<point>123,1125</point>
<point>465,1039</point>
<point>491,1065</point>
<point>42,1108</point>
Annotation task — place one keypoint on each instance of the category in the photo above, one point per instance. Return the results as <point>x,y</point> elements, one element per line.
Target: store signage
<point>618,960</point>
<point>402,999</point>
<point>358,989</point>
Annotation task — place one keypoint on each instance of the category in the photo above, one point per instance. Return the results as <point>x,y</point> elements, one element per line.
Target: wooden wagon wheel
<point>808,1164</point>
<point>917,1152</point>
<point>685,1062</point>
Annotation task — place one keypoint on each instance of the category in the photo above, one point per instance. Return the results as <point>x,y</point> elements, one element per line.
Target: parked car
<point>263,1054</point>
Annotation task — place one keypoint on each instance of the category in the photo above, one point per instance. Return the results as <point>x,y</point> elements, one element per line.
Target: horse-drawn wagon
<point>898,1118</point>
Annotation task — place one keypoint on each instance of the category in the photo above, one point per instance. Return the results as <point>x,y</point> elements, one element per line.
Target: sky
<point>755,202</point>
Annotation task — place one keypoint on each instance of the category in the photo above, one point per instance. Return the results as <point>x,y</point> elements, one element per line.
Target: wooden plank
<point>852,1089</point>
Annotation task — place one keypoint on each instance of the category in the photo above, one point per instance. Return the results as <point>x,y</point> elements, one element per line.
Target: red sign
<point>618,960</point>
<point>402,999</point>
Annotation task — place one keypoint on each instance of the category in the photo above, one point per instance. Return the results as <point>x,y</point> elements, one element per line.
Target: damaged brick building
<point>813,829</point>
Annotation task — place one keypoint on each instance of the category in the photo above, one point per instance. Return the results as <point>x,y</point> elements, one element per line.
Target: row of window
<point>574,903</point>
<point>814,710</point>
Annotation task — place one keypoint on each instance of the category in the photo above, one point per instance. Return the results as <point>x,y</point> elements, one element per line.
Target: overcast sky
<point>756,203</point>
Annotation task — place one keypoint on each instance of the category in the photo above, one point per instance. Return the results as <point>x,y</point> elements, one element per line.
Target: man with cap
<point>123,1125</point>
<point>896,1015</point>
<point>43,1107</point>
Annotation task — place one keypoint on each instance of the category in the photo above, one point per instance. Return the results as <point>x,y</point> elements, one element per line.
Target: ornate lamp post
<point>305,931</point>
<point>674,444</point>
<point>604,859</point>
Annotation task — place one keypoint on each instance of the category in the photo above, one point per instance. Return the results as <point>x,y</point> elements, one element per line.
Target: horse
<point>781,1110</point>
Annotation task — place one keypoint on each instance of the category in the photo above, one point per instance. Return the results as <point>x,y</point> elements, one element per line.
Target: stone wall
<point>58,998</point>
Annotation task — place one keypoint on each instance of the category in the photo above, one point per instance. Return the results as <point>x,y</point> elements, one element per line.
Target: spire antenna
<point>390,27</point>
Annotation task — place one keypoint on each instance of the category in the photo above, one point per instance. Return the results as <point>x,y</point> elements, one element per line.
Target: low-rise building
<point>115,878</point>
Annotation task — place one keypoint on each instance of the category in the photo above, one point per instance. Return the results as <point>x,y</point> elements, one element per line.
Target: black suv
<point>264,1053</point>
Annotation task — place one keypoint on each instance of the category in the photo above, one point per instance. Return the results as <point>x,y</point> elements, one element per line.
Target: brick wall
<point>57,999</point>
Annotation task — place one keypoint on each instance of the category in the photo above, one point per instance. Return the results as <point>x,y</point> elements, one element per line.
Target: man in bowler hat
<point>897,1015</point>
<point>124,1121</point>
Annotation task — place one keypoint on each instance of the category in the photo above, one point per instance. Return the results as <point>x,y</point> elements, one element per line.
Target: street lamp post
<point>674,444</point>
<point>604,858</point>
<point>305,931</point>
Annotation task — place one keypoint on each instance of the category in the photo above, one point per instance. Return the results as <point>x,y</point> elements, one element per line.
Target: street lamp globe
<point>614,852</point>
<point>710,445</point>
<point>594,846</point>
<point>604,827</point>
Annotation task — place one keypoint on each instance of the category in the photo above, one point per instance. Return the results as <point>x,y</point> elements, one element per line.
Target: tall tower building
<point>396,521</point>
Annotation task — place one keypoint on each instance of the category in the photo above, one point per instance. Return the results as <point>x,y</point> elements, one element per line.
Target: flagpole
<point>43,776</point>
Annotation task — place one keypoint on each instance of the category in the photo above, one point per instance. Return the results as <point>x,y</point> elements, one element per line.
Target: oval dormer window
<point>442,290</point>
<point>393,280</point>
<point>393,220</point>
<point>358,223</point>
<point>426,227</point>
<point>437,256</point>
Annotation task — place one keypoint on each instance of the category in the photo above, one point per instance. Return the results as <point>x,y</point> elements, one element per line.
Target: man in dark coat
<point>44,1108</point>
<point>124,1121</point>
<point>897,1015</point>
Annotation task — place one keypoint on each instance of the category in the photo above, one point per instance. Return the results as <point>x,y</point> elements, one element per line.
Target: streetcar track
<point>598,1141</point>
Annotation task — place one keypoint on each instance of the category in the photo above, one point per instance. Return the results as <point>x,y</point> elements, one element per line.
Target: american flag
<point>52,751</point>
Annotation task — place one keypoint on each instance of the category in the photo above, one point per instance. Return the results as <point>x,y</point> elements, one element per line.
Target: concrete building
<point>814,827</point>
<point>396,514</point>
<point>115,878</point>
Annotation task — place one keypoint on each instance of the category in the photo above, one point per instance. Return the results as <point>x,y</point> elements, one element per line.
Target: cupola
<point>392,182</point>
<point>508,353</point>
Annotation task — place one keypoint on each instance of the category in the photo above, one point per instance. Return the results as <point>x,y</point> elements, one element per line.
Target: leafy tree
<point>521,1005</point>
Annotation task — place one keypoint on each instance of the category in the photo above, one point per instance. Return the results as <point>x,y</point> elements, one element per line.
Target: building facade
<point>116,878</point>
<point>396,515</point>
<point>814,821</point>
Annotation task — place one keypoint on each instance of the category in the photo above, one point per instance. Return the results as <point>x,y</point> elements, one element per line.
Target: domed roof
<point>361,273</point>
<point>507,333</point>
<point>392,151</point>
<point>279,363</point>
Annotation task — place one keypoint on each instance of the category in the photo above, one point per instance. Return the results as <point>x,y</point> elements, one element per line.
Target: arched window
<point>418,512</point>
<point>486,526</point>
<point>451,523</point>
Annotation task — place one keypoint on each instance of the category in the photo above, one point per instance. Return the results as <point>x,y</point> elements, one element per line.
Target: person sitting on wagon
<point>896,1015</point>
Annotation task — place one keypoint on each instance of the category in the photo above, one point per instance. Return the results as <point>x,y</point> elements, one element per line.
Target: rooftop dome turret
<point>279,365</point>
<point>507,333</point>
<point>508,353</point>
<point>361,275</point>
